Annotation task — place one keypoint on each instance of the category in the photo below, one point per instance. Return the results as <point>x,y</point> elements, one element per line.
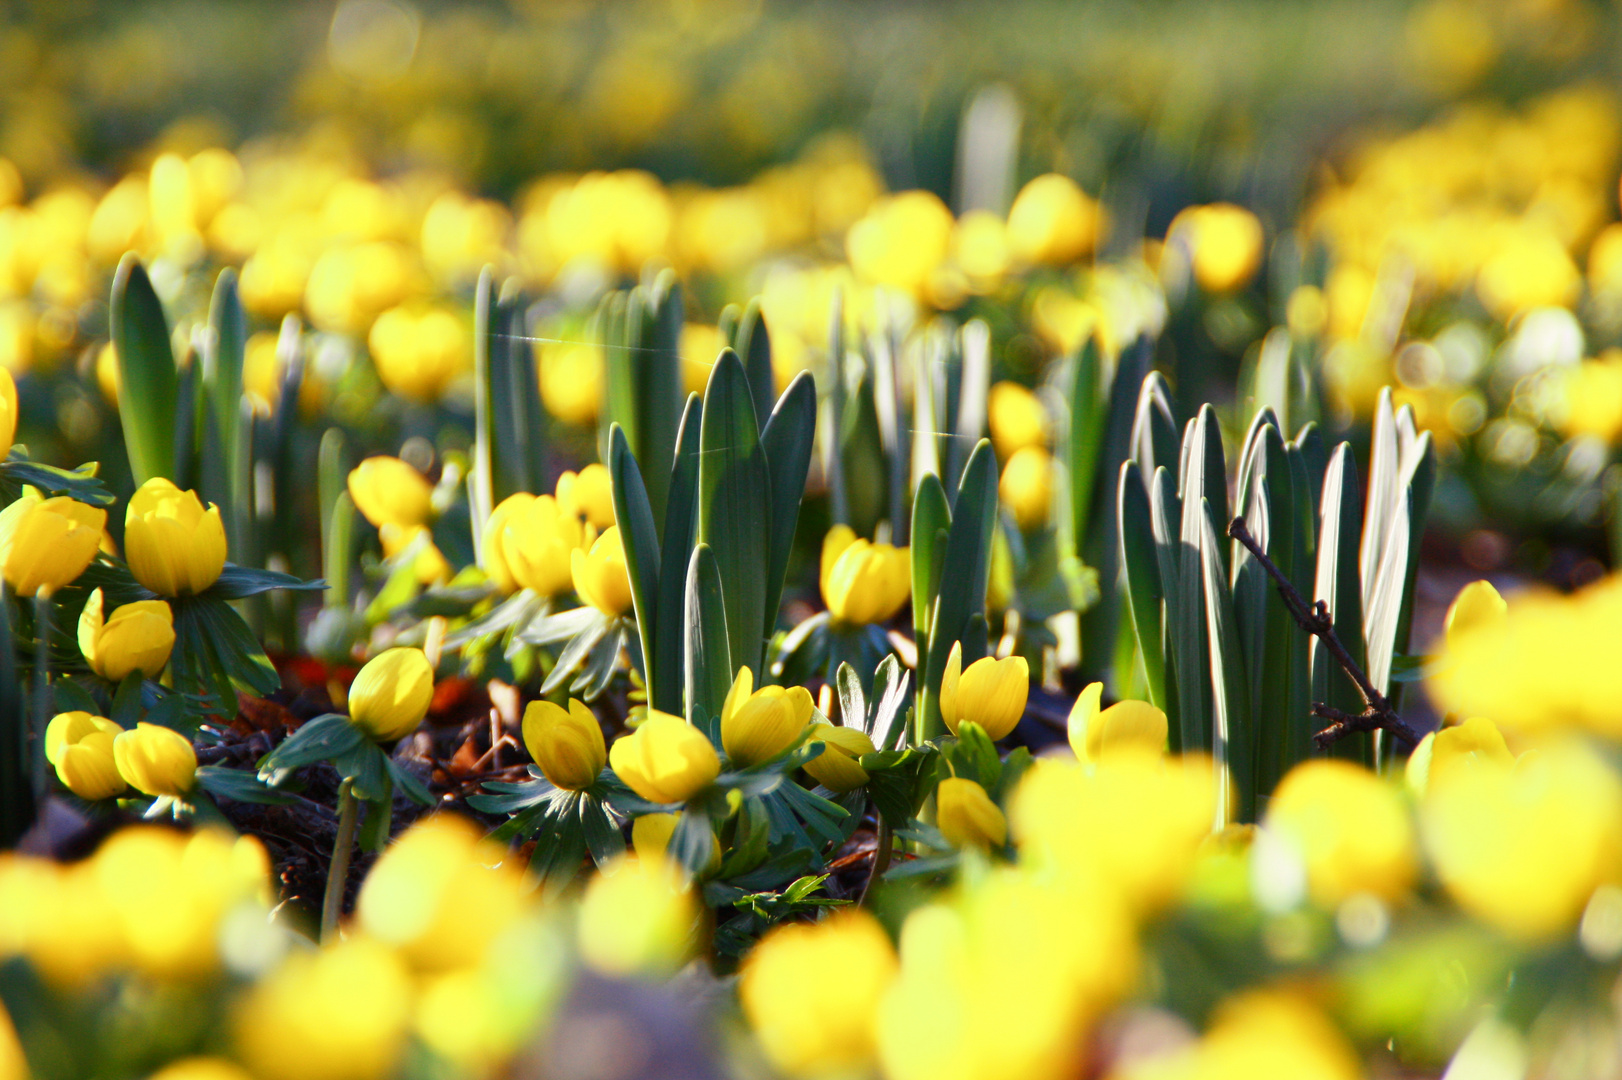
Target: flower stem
<point>338,872</point>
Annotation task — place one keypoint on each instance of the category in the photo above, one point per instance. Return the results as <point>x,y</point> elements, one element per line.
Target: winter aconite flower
<point>138,637</point>
<point>665,760</point>
<point>156,760</point>
<point>837,768</point>
<point>863,582</point>
<point>1224,244</point>
<point>387,490</point>
<point>80,746</point>
<point>588,494</point>
<point>47,543</point>
<point>757,725</point>
<point>1016,418</point>
<point>1053,221</point>
<point>966,815</point>
<point>8,410</point>
<point>567,744</point>
<point>1350,829</point>
<point>1098,734</point>
<point>528,544</point>
<point>173,546</point>
<point>391,694</point>
<point>600,576</point>
<point>1026,487</point>
<point>991,692</point>
<point>637,917</point>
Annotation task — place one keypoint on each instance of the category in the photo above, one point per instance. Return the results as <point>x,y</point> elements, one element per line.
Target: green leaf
<point>366,768</point>
<point>787,440</point>
<point>408,782</point>
<point>887,725</point>
<point>1338,585</point>
<point>676,548</point>
<point>82,483</point>
<point>966,565</point>
<point>240,786</point>
<point>598,669</point>
<point>1084,442</point>
<point>657,362</point>
<point>1154,438</point>
<point>325,738</point>
<point>1233,734</point>
<point>735,508</point>
<point>223,364</point>
<point>17,794</point>
<point>641,542</point>
<point>754,347</point>
<point>235,582</point>
<point>148,383</point>
<point>708,662</point>
<point>600,828</point>
<point>1141,567</point>
<point>931,525</point>
<point>574,653</point>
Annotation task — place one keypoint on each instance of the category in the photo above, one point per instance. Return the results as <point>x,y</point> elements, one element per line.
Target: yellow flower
<point>863,582</point>
<point>528,544</point>
<point>156,760</point>
<point>637,917</point>
<point>391,693</point>
<point>1476,740</point>
<point>81,748</point>
<point>966,815</point>
<point>441,895</point>
<point>665,760</point>
<point>650,839</point>
<point>1026,487</point>
<point>417,352</point>
<point>1125,727</point>
<point>1224,244</point>
<point>1053,222</point>
<point>991,692</point>
<point>1350,828</point>
<point>901,242</point>
<point>571,378</point>
<point>836,767</point>
<point>202,1068</point>
<point>47,543</point>
<point>600,577</point>
<point>1477,605</point>
<point>339,1013</point>
<point>430,564</point>
<point>811,991</point>
<point>980,249</point>
<point>566,743</point>
<point>173,546</point>
<point>387,490</point>
<point>1016,418</point>
<point>757,726</point>
<point>1258,1033</point>
<point>8,410</point>
<point>590,495</point>
<point>138,637</point>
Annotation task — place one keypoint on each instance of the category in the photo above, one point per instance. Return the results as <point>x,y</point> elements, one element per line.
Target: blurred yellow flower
<point>599,575</point>
<point>1254,1034</point>
<point>837,767</point>
<point>430,564</point>
<point>418,351</point>
<point>901,242</point>
<point>665,760</point>
<point>638,917</point>
<point>863,582</point>
<point>571,378</point>
<point>1017,419</point>
<point>567,744</point>
<point>138,637</point>
<point>350,285</point>
<point>990,692</point>
<point>980,244</point>
<point>156,760</point>
<point>757,725</point>
<point>1026,487</point>
<point>528,544</point>
<point>1591,398</point>
<point>387,490</point>
<point>1053,222</point>
<point>966,815</point>
<point>588,494</point>
<point>8,409</point>
<point>1350,829</point>
<point>811,990</point>
<point>1462,745</point>
<point>1224,244</point>
<point>391,693</point>
<point>173,546</point>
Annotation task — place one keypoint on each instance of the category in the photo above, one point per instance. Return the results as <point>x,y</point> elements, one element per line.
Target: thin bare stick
<point>1377,714</point>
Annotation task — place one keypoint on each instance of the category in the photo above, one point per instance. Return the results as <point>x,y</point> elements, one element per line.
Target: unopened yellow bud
<point>599,575</point>
<point>991,692</point>
<point>1224,244</point>
<point>1350,828</point>
<point>173,546</point>
<point>567,744</point>
<point>665,760</point>
<point>418,351</point>
<point>638,917</point>
<point>1477,741</point>
<point>47,543</point>
<point>81,748</point>
<point>1053,221</point>
<point>1016,418</point>
<point>1097,734</point>
<point>757,725</point>
<point>156,760</point>
<point>1477,605</point>
<point>139,637</point>
<point>588,494</point>
<point>836,767</point>
<point>528,544</point>
<point>391,693</point>
<point>863,582</point>
<point>966,815</point>
<point>1026,487</point>
<point>386,489</point>
<point>67,728</point>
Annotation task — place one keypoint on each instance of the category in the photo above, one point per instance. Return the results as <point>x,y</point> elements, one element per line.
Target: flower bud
<point>637,917</point>
<point>1477,605</point>
<point>567,744</point>
<point>1476,741</point>
<point>863,582</point>
<point>1097,735</point>
<point>139,637</point>
<point>836,767</point>
<point>173,546</point>
<point>1016,418</point>
<point>966,815</point>
<point>1224,244</point>
<point>665,760</point>
<point>589,495</point>
<point>386,489</point>
<point>418,350</point>
<point>1350,827</point>
<point>528,544</point>
<point>391,694</point>
<point>156,760</point>
<point>81,748</point>
<point>600,576</point>
<point>1053,221</point>
<point>47,543</point>
<point>1026,487</point>
<point>756,727</point>
<point>991,692</point>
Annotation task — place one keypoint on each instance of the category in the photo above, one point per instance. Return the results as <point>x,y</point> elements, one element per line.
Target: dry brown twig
<point>1378,713</point>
